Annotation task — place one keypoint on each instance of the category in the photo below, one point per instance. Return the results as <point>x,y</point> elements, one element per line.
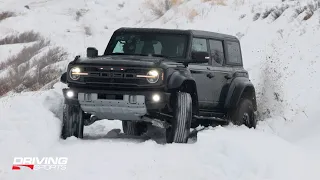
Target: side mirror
<point>92,52</point>
<point>200,57</point>
<point>63,78</point>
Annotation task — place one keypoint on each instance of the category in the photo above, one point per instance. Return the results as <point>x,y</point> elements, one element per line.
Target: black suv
<point>173,79</point>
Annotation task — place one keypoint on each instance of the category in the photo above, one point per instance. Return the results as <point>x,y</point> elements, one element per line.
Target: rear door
<point>201,72</point>
<point>222,73</point>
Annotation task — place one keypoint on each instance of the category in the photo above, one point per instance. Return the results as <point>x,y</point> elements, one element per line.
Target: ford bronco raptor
<point>172,79</point>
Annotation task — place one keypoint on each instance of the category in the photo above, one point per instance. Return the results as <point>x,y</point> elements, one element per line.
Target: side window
<point>118,48</point>
<point>234,53</point>
<point>217,53</point>
<point>157,48</point>
<point>199,45</point>
<point>139,46</point>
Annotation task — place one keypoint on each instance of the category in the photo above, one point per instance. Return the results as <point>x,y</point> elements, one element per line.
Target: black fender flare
<point>177,79</point>
<point>64,78</point>
<point>183,81</point>
<point>239,87</point>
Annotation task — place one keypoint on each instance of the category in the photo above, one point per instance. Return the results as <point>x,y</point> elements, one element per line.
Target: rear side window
<point>234,54</point>
<point>217,54</point>
<point>199,45</point>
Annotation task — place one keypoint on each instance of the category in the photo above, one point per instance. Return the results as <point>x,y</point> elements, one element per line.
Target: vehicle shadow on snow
<point>153,134</point>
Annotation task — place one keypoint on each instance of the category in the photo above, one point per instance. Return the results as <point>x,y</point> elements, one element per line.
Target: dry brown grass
<point>26,75</point>
<point>160,7</point>
<point>6,14</point>
<point>24,55</point>
<point>216,2</point>
<point>26,37</point>
<point>192,14</point>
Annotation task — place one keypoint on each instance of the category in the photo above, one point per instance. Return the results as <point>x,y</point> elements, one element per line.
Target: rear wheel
<point>134,128</point>
<point>72,124</point>
<point>182,117</point>
<point>244,114</point>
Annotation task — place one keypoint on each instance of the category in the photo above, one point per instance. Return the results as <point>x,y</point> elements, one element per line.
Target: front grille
<point>115,76</point>
<point>101,80</point>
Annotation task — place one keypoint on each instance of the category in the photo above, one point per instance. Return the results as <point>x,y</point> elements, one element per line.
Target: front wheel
<point>72,124</point>
<point>182,117</point>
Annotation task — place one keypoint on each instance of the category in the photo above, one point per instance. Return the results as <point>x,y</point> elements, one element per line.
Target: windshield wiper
<point>152,55</point>
<point>122,54</point>
<point>158,55</point>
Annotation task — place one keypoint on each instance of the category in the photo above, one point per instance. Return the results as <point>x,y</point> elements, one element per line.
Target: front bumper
<point>122,105</point>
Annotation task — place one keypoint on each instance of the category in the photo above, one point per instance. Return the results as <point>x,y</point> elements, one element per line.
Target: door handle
<point>210,75</point>
<point>228,76</point>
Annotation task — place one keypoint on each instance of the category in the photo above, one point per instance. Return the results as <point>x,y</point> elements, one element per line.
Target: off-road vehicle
<point>173,79</point>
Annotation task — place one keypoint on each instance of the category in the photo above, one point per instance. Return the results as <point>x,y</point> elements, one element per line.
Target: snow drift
<point>280,48</point>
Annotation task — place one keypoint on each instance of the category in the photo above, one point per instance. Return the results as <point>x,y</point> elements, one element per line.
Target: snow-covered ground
<point>282,56</point>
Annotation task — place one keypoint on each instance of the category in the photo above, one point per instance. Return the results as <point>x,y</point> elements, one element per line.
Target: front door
<point>203,76</point>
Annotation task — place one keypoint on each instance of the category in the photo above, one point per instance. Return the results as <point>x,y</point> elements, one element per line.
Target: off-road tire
<point>244,114</point>
<point>182,117</point>
<point>72,124</point>
<point>134,128</point>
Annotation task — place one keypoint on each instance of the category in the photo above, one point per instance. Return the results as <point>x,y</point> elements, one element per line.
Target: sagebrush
<point>6,14</point>
<point>32,68</point>
<point>160,7</point>
<point>26,37</point>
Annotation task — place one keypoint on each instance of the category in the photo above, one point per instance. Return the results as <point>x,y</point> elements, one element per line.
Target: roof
<point>199,33</point>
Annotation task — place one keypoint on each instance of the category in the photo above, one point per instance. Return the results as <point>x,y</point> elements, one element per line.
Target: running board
<point>210,118</point>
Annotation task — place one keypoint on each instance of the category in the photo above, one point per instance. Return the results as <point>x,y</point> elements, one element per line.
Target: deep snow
<point>220,153</point>
<point>283,60</point>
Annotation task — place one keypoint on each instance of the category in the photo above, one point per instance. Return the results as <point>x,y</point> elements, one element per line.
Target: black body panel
<point>215,88</point>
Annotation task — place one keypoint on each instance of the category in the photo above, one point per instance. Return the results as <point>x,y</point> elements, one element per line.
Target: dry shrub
<point>192,14</point>
<point>160,7</point>
<point>80,13</point>
<point>239,2</point>
<point>24,75</point>
<point>266,13</point>
<point>87,31</point>
<point>26,37</point>
<point>6,14</point>
<point>216,2</point>
<point>256,16</point>
<point>24,55</point>
<point>278,11</point>
<point>308,15</point>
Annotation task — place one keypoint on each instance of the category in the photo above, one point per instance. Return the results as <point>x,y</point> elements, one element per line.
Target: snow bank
<point>30,128</point>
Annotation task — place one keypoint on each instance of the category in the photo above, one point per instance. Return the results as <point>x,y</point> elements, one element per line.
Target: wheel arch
<point>183,82</point>
<point>241,87</point>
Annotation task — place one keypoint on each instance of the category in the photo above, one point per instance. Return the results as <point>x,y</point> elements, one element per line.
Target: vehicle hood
<point>127,60</point>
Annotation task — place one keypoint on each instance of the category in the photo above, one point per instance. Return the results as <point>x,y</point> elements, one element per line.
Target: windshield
<point>155,44</point>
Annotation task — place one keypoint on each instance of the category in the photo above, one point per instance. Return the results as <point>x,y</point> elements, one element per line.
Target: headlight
<point>75,73</point>
<point>153,76</point>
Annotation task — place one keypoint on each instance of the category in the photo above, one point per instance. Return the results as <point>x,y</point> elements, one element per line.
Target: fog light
<point>70,94</point>
<point>156,98</point>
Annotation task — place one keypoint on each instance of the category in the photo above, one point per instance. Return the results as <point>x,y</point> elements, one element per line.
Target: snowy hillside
<point>280,42</point>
